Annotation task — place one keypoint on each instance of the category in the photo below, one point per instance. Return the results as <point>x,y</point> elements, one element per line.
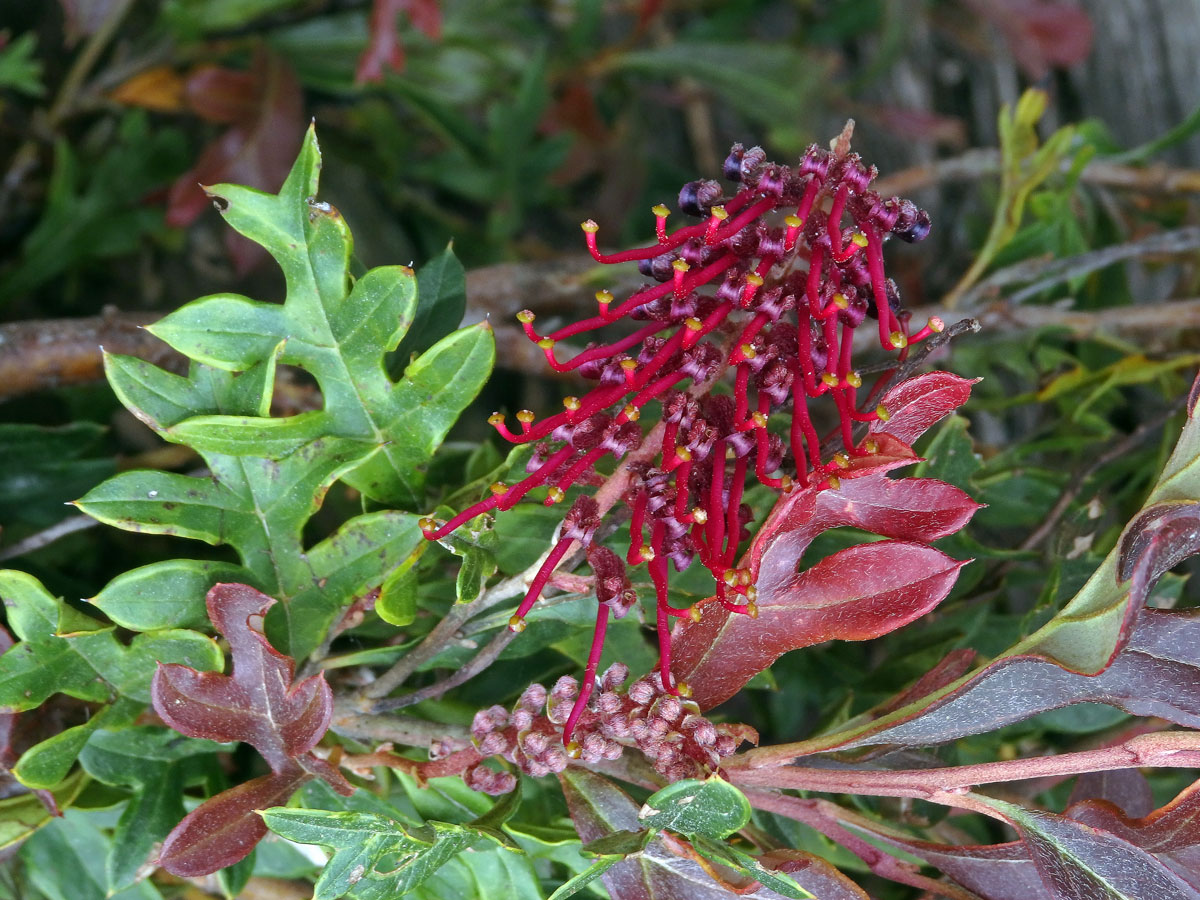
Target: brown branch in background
<point>48,353</point>
<point>984,163</point>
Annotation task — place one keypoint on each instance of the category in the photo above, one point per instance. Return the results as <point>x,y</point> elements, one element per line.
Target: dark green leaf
<point>713,808</point>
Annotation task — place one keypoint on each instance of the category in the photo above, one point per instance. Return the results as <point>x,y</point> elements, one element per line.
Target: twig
<point>816,815</point>
<point>1116,451</point>
<point>48,536</point>
<point>442,634</point>
<point>1047,272</point>
<point>982,163</point>
<point>766,767</point>
<point>350,721</point>
<point>478,663</point>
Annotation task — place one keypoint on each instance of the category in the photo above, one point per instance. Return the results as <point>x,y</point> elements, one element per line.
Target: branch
<point>947,785</point>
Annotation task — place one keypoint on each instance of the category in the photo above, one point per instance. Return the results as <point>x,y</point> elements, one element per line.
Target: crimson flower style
<point>772,283</point>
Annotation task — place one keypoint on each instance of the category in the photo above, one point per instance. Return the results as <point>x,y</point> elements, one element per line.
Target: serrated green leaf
<point>270,475</point>
<point>168,594</point>
<point>378,856</point>
<point>713,808</point>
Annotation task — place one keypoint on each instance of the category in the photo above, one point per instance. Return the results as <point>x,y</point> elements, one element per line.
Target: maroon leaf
<point>384,49</point>
<point>1125,789</point>
<point>1156,674</point>
<point>916,404</point>
<point>223,829</point>
<point>1172,833</point>
<point>859,593</point>
<point>256,151</point>
<point>1157,540</point>
<point>1079,862</point>
<point>1041,33</point>
<point>993,871</point>
<point>258,704</point>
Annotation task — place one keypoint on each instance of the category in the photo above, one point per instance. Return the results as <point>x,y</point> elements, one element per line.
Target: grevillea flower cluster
<point>669,730</point>
<point>768,287</point>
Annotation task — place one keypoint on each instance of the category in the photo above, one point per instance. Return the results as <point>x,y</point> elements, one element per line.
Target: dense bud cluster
<point>668,730</point>
<point>772,284</point>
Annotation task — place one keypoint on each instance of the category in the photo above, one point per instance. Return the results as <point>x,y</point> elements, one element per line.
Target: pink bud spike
<point>589,673</point>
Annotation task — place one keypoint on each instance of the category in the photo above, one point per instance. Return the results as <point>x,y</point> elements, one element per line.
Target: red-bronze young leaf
<point>258,704</point>
<point>1160,538</point>
<point>860,593</point>
<point>915,405</point>
<point>223,829</point>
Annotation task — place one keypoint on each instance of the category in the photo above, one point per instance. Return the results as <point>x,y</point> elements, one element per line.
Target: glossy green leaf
<point>168,594</point>
<point>713,808</point>
<point>157,764</point>
<point>66,861</point>
<point>270,475</point>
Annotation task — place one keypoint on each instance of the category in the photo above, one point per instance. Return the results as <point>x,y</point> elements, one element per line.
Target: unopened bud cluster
<point>772,283</point>
<point>668,730</point>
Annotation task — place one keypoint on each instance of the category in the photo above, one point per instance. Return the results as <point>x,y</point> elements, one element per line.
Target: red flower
<point>772,283</point>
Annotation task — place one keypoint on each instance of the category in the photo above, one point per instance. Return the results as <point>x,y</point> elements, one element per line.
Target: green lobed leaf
<point>270,475</point>
<point>168,594</point>
<point>713,808</point>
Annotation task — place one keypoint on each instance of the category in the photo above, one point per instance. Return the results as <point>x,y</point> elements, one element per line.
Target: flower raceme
<point>772,283</point>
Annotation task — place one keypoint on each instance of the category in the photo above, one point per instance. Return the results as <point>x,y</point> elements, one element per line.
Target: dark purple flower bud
<point>892,291</point>
<point>774,453</point>
<point>681,554</point>
<point>744,243</point>
<point>912,223</point>
<point>851,172</point>
<point>776,383</point>
<point>732,286</point>
<point>679,408</point>
<point>697,253</point>
<point>700,362</point>
<point>683,307</point>
<point>853,315</point>
<point>732,169</point>
<point>820,352</point>
<point>590,431</point>
<point>623,438</point>
<point>696,198</point>
<point>742,443</point>
<point>612,581</point>
<point>658,267</point>
<point>700,439</point>
<point>774,303</point>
